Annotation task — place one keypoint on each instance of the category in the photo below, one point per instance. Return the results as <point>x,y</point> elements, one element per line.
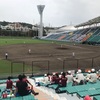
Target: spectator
<point>69,77</point>
<point>80,76</point>
<point>60,75</point>
<point>88,75</point>
<point>75,82</point>
<point>46,79</point>
<point>62,82</point>
<point>93,76</point>
<point>53,77</point>
<point>22,87</point>
<point>9,83</point>
<point>98,74</point>
<point>25,79</point>
<point>87,97</point>
<point>57,79</point>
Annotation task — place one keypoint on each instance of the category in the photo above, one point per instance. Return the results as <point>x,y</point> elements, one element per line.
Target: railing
<point>45,66</point>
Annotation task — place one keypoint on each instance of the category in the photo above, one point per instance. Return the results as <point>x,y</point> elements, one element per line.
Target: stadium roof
<point>90,22</point>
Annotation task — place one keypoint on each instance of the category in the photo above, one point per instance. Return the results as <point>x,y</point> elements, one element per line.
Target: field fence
<point>15,68</point>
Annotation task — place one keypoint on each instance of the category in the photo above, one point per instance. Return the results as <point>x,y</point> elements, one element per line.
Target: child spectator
<point>9,83</point>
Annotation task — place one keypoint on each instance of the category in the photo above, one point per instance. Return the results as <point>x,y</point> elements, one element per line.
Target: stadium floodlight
<point>40,9</point>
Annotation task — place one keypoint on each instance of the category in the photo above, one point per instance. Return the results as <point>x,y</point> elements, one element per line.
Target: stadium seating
<point>89,35</point>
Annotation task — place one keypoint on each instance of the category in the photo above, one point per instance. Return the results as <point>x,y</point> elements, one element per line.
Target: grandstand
<point>69,92</point>
<point>86,33</point>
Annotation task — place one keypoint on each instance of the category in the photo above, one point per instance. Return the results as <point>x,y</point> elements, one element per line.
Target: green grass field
<point>5,66</point>
<point>19,40</point>
<point>22,40</point>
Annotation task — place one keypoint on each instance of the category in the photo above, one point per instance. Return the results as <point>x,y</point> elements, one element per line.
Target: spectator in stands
<point>69,77</point>
<point>46,79</point>
<point>80,76</point>
<point>9,83</point>
<point>98,74</point>
<point>26,80</point>
<point>93,76</point>
<point>53,77</point>
<point>75,82</point>
<point>63,82</point>
<point>88,76</point>
<point>22,88</point>
<point>57,79</point>
<point>60,75</point>
<point>87,97</point>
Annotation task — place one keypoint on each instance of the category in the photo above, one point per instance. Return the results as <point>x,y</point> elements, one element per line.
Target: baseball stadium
<point>64,52</point>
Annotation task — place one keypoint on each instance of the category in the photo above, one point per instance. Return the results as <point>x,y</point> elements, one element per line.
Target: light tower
<point>40,9</point>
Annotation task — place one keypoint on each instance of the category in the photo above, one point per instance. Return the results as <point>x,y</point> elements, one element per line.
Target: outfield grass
<point>5,66</point>
<point>9,41</point>
<point>26,40</point>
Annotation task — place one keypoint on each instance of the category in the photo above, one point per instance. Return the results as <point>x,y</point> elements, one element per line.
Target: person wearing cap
<point>46,79</point>
<point>88,75</point>
<point>87,97</point>
<point>69,77</point>
<point>80,76</point>
<point>6,55</point>
<point>93,76</point>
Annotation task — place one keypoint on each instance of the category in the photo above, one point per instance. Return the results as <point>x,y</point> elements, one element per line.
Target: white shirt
<point>93,77</point>
<point>69,78</point>
<point>80,76</point>
<point>88,76</point>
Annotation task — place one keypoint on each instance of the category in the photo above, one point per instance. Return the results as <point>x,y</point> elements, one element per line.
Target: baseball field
<point>46,56</point>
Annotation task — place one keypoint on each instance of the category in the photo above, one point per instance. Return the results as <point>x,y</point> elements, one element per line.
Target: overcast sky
<point>56,12</point>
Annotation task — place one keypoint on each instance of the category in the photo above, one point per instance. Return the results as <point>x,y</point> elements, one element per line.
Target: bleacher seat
<point>96,97</point>
<point>89,92</point>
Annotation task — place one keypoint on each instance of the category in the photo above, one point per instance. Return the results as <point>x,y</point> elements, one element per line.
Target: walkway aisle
<point>42,95</point>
